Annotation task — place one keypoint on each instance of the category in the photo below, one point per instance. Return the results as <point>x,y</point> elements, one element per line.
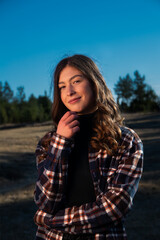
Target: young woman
<point>89,167</point>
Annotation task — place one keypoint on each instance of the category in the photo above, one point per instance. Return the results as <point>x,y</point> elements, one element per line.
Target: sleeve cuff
<point>61,142</point>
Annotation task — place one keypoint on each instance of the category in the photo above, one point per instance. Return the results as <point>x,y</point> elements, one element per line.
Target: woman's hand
<point>68,125</point>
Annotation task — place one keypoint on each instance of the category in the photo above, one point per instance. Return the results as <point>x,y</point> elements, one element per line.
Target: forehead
<point>68,73</point>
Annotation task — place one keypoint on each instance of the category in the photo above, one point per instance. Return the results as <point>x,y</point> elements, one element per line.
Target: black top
<point>80,187</point>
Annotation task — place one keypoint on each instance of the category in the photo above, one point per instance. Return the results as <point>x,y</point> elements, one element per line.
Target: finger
<point>68,114</point>
<point>74,124</point>
<point>65,116</point>
<point>71,118</point>
<point>75,129</point>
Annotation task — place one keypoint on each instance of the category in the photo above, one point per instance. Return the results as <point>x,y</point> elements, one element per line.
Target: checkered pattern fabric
<point>115,180</point>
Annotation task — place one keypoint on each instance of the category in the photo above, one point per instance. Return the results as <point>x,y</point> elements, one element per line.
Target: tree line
<point>133,95</point>
<point>16,109</point>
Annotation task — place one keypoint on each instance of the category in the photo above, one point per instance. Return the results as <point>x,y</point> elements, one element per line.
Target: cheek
<point>91,98</point>
<point>62,97</point>
<point>89,93</point>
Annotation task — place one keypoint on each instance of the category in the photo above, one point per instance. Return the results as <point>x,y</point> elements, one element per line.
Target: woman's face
<point>75,91</point>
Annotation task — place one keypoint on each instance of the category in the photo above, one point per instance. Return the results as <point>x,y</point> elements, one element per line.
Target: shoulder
<point>46,137</point>
<point>44,142</point>
<point>130,138</point>
<point>42,146</point>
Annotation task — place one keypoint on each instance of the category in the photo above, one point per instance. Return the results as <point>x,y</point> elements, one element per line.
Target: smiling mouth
<point>74,100</point>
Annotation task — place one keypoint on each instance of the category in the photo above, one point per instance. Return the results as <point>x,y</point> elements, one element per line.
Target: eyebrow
<point>77,75</point>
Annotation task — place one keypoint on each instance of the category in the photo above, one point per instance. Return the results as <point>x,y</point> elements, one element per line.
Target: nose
<point>70,90</point>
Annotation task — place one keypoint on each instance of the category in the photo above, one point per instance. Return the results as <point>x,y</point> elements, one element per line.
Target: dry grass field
<point>18,176</point>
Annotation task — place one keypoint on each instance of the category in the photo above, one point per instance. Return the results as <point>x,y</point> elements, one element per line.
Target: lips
<point>74,100</point>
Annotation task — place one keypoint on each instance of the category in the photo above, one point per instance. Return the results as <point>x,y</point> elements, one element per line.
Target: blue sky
<point>121,36</point>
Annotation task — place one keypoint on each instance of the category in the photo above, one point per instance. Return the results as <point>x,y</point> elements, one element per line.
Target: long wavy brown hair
<point>107,120</point>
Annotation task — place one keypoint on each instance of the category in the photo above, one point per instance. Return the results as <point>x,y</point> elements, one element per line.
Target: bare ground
<point>18,176</point>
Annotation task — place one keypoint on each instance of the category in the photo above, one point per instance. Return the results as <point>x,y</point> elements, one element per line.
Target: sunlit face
<point>75,91</point>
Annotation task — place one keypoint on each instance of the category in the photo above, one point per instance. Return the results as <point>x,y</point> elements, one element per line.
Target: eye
<point>62,87</point>
<point>76,81</point>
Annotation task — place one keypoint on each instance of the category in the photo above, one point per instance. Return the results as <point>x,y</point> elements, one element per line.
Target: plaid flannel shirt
<point>115,180</point>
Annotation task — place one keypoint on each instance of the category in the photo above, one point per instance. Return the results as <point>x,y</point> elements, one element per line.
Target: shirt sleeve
<point>52,172</point>
<point>112,204</point>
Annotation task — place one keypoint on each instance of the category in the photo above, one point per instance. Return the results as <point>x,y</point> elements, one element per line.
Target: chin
<point>77,110</point>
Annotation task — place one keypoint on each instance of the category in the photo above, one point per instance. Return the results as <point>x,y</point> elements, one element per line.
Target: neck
<point>88,112</point>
